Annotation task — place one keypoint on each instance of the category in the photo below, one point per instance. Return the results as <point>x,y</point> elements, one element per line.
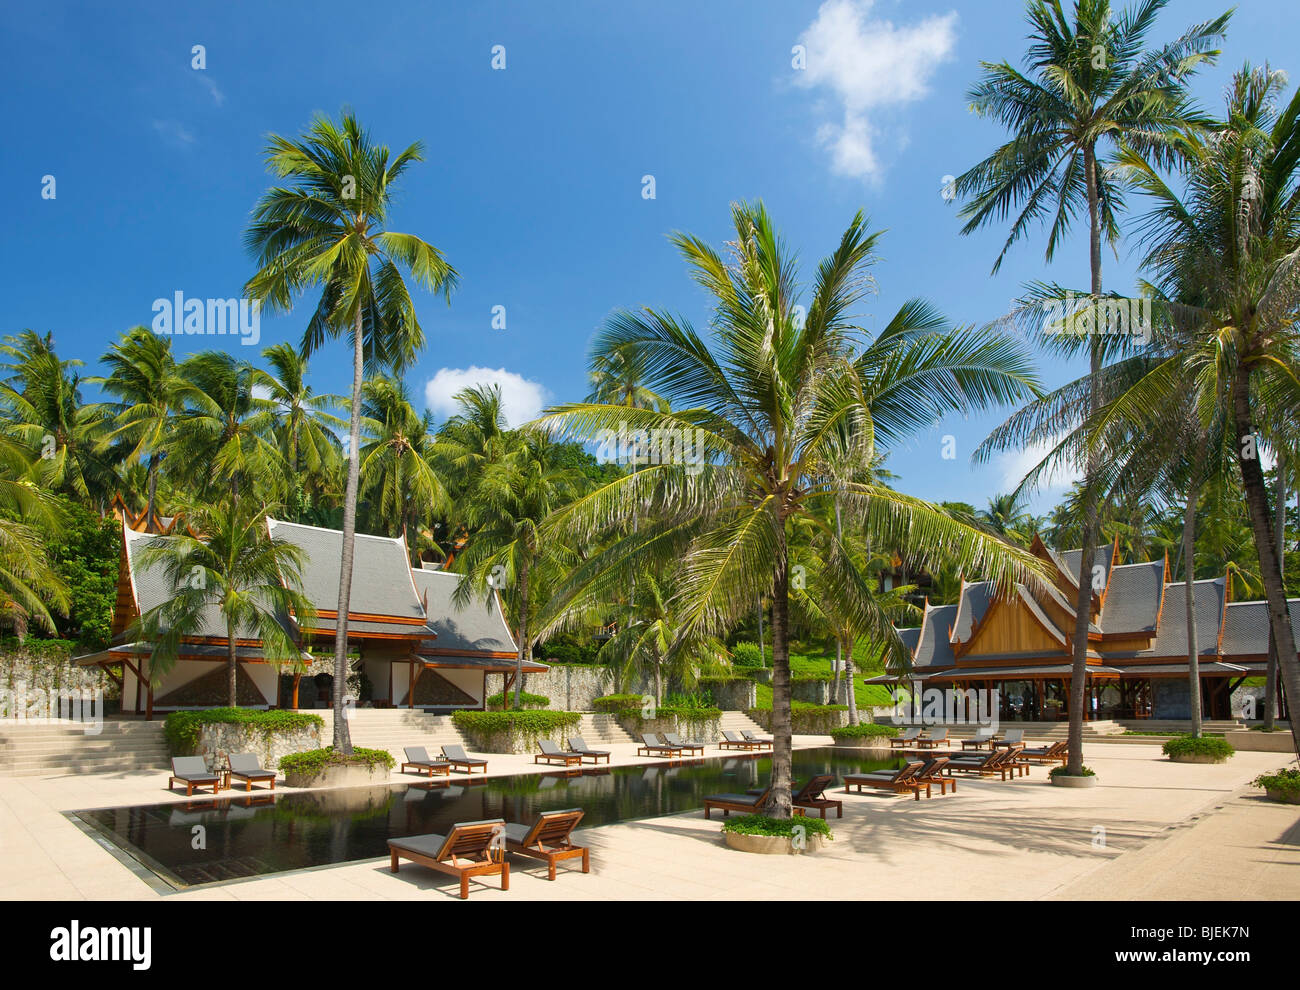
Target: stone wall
<point>805,721</point>
<point>689,727</point>
<point>218,740</point>
<point>572,687</point>
<point>50,672</point>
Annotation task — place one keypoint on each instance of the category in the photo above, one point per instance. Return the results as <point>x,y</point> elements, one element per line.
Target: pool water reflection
<point>246,836</point>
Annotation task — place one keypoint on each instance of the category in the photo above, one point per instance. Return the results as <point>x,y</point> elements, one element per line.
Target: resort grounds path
<point>1153,829</point>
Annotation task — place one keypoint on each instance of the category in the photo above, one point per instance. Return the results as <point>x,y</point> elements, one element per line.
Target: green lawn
<point>805,665</point>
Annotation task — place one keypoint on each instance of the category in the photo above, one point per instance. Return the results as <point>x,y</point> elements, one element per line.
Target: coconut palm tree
<point>1090,83</point>
<point>398,481</point>
<point>147,392</point>
<point>221,445</point>
<point>1224,250</point>
<point>503,512</point>
<point>29,586</point>
<point>304,430</point>
<point>328,230</point>
<point>235,575</point>
<point>42,409</point>
<point>774,407</point>
<point>1006,516</point>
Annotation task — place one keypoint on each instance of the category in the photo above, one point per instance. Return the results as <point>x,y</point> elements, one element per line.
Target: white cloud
<point>1014,465</point>
<point>521,399</point>
<point>208,83</point>
<point>872,67</point>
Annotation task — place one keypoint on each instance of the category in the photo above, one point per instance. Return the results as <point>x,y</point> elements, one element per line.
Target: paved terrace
<point>1173,831</point>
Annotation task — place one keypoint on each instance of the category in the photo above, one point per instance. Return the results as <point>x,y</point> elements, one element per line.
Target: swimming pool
<point>238,836</point>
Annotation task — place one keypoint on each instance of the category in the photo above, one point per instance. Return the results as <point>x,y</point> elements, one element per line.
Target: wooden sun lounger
<point>727,803</point>
<point>418,757</point>
<point>812,796</point>
<point>932,773</point>
<point>457,757</point>
<point>577,745</point>
<point>672,739</point>
<point>651,746</point>
<point>908,736</point>
<point>552,753</point>
<point>245,767</point>
<point>1057,752</point>
<point>734,740</point>
<point>760,743</point>
<point>902,781</point>
<point>933,738</point>
<point>982,738</point>
<point>192,771</point>
<point>1012,737</point>
<point>1003,762</point>
<point>470,849</point>
<point>549,838</point>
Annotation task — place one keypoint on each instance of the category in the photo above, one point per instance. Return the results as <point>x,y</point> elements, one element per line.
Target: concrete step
<point>28,749</point>
<point>740,722</point>
<point>601,728</point>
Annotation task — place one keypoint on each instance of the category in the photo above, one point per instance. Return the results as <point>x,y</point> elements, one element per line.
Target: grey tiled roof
<point>1171,641</point>
<point>910,637</point>
<point>975,601</point>
<point>152,587</point>
<point>478,627</point>
<point>1133,602</point>
<point>1068,560</point>
<point>405,630</point>
<point>1245,627</point>
<point>934,647</point>
<point>381,582</point>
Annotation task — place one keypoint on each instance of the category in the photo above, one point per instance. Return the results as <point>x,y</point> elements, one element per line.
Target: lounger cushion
<point>736,798</point>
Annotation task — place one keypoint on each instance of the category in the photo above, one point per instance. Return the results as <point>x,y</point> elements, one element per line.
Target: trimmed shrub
<point>316,760</point>
<point>1198,746</point>
<point>514,731</point>
<point>617,703</point>
<point>1287,781</point>
<point>1064,771</point>
<point>766,825</point>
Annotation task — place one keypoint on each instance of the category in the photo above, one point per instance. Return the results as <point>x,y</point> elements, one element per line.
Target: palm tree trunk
<point>854,718</point>
<point>1189,583</point>
<point>153,492</point>
<point>839,651</point>
<point>523,630</point>
<point>232,664</point>
<point>762,653</point>
<point>1083,603</point>
<point>1270,568</point>
<point>342,736</point>
<point>782,742</point>
<point>1270,683</point>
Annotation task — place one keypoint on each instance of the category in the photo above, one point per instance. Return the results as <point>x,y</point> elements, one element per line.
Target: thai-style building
<point>414,645</point>
<point>1021,643</point>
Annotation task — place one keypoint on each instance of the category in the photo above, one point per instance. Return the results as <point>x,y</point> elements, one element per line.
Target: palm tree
<point>28,584</point>
<point>503,512</point>
<point>142,380</point>
<point>236,576</point>
<point>1091,83</point>
<point>651,639</point>
<point>1006,516</point>
<point>42,409</point>
<point>303,428</point>
<point>328,231</point>
<point>1225,253</point>
<point>221,444</point>
<point>397,479</point>
<point>783,413</point>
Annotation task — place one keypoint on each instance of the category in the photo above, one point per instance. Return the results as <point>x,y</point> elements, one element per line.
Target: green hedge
<point>182,728</point>
<point>315,760</point>
<point>863,730</point>
<point>1198,746</point>
<point>765,825</point>
<point>1065,772</point>
<point>533,722</point>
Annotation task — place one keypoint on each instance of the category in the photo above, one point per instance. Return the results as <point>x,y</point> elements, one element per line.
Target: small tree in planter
<point>776,836</point>
<point>1283,786</point>
<point>1198,749</point>
<point>330,767</point>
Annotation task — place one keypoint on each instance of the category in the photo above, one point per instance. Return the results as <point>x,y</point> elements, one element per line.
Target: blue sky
<point>533,180</point>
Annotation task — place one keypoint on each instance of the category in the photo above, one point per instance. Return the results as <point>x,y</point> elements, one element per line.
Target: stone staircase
<point>600,728</point>
<point>393,729</point>
<point>53,749</point>
<point>740,722</point>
